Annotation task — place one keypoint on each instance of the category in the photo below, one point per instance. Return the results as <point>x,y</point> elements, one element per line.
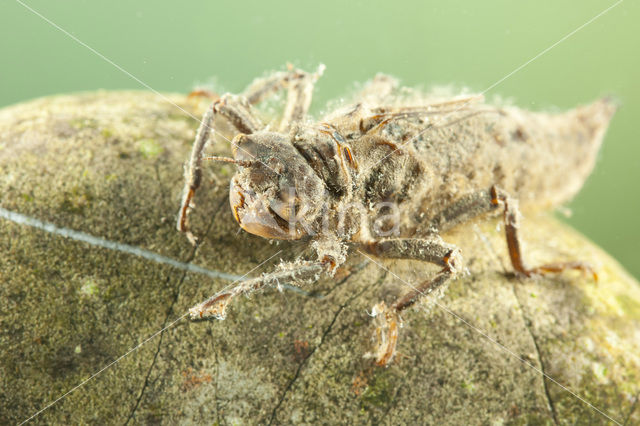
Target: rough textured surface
<point>110,165</point>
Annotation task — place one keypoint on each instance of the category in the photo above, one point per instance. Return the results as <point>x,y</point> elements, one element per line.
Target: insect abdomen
<point>541,159</point>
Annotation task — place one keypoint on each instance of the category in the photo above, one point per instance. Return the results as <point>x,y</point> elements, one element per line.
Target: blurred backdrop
<point>172,46</point>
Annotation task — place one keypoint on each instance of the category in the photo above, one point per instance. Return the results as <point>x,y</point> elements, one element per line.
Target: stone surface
<point>111,165</point>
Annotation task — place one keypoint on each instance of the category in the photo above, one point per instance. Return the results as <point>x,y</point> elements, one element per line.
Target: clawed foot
<point>555,268</point>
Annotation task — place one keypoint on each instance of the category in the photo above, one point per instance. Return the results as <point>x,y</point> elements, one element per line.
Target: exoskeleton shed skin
<point>390,173</point>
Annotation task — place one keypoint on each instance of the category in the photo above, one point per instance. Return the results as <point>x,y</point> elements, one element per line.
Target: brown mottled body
<point>390,172</point>
<point>425,163</point>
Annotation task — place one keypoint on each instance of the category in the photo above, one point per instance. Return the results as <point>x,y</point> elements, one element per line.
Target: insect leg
<point>262,88</point>
<point>235,110</point>
<point>295,272</point>
<point>299,85</point>
<point>484,201</point>
<point>202,93</point>
<point>432,250</point>
<point>298,101</point>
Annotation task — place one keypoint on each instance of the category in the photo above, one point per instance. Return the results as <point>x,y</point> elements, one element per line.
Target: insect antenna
<point>242,163</point>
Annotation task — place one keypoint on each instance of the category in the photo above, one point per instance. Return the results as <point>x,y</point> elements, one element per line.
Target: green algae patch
<point>149,148</point>
<point>76,200</point>
<point>630,307</point>
<point>378,394</point>
<point>89,288</point>
<point>70,307</point>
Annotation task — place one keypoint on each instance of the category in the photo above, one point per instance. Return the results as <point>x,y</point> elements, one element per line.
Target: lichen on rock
<point>110,165</point>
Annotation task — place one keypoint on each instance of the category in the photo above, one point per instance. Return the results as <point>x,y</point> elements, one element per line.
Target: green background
<point>172,46</point>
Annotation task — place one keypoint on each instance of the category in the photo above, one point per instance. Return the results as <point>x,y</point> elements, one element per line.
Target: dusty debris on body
<point>111,165</point>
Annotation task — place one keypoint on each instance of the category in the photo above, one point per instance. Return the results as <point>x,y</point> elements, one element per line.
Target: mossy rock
<point>111,165</point>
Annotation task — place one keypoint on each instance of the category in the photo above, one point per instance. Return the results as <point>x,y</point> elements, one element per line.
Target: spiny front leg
<point>298,272</point>
<point>238,113</point>
<point>387,318</point>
